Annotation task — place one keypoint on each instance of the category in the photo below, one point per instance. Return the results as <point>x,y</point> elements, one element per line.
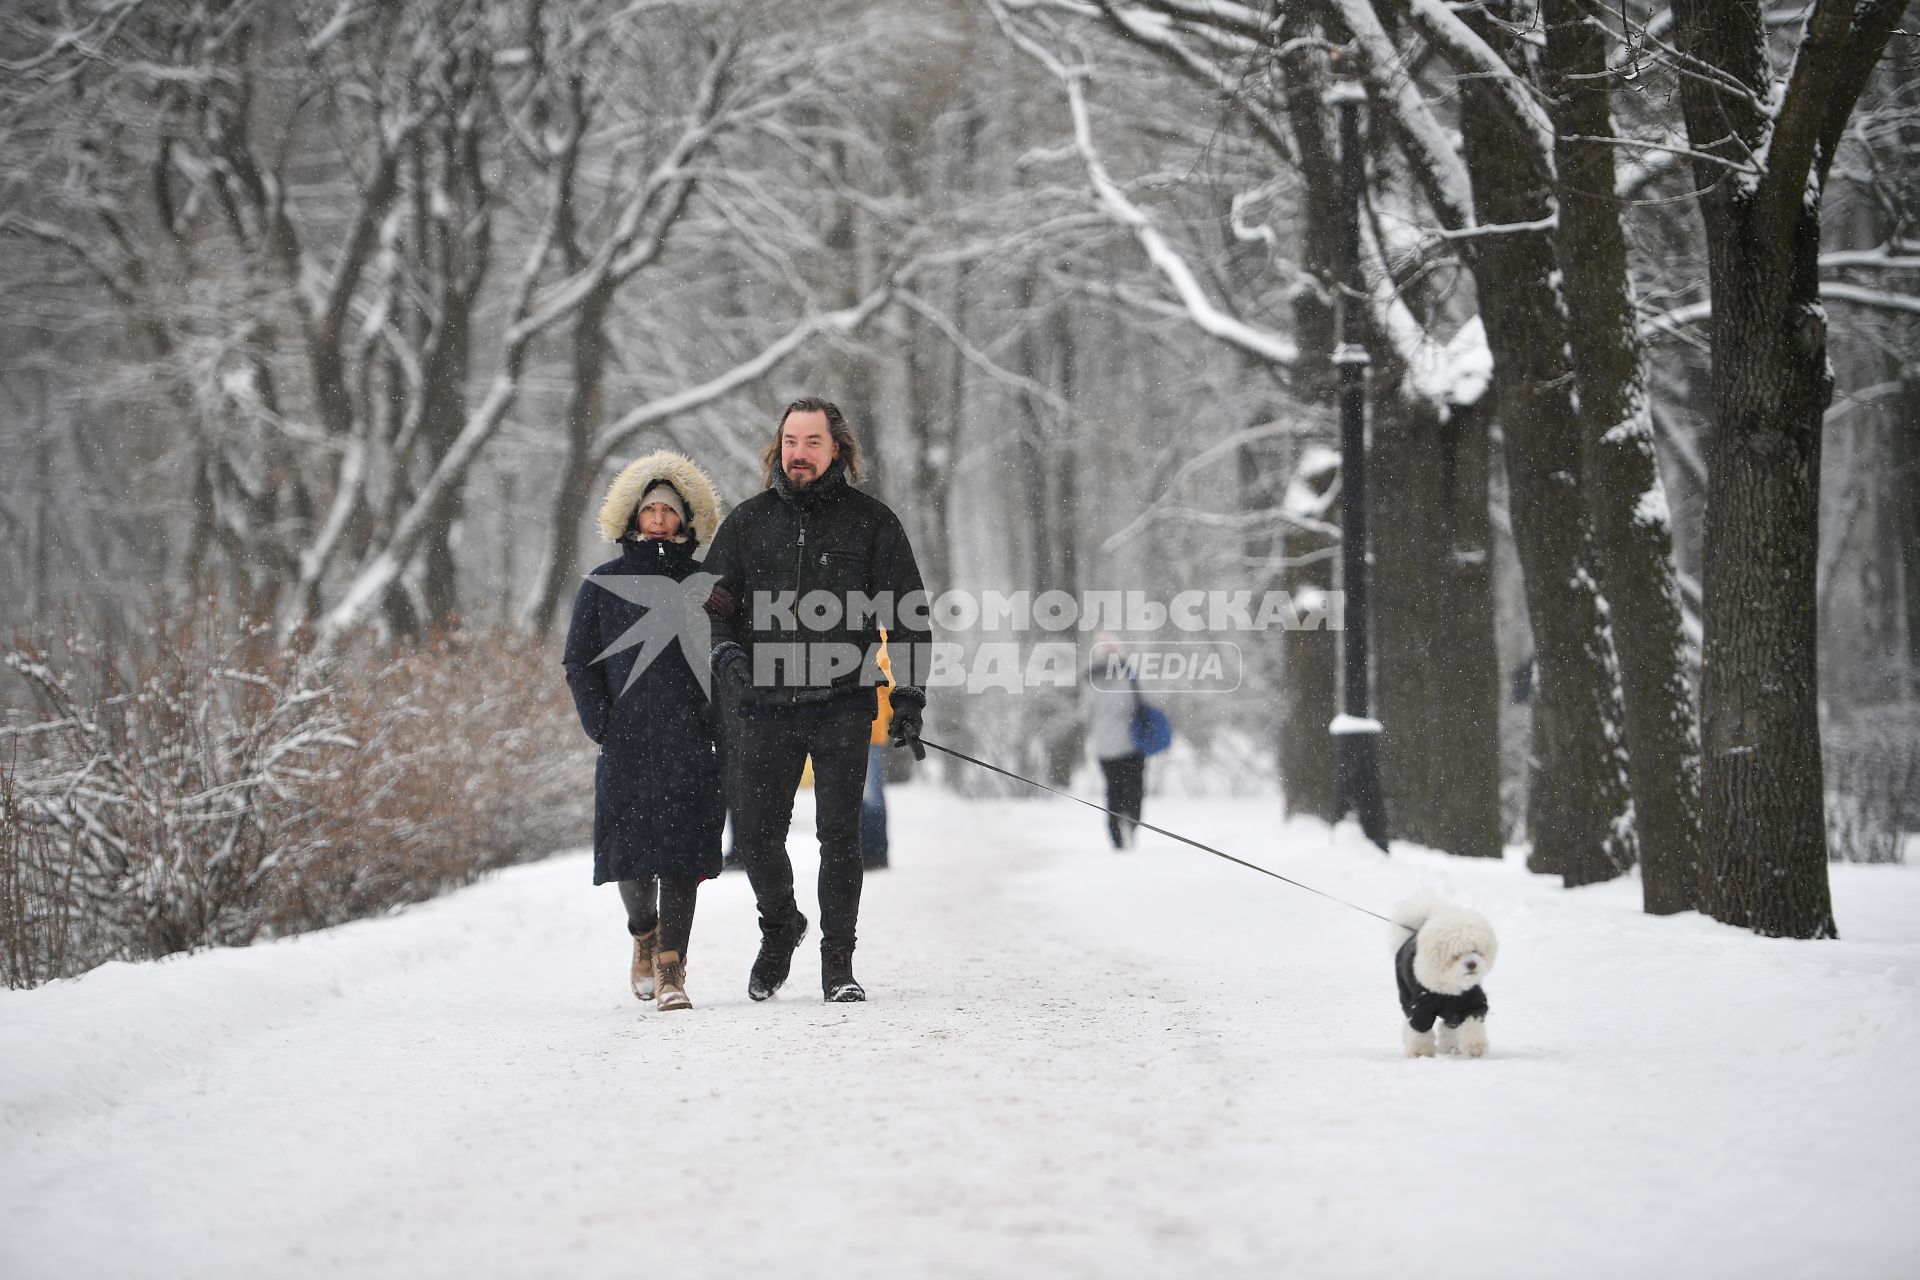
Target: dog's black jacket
<point>1423,1006</point>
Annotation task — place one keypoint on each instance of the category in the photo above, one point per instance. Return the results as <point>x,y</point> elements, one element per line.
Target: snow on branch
<point>1242,19</point>
<point>1673,151</point>
<point>1472,56</point>
<point>1676,321</point>
<point>1125,296</point>
<point>1792,152</point>
<point>1873,25</point>
<point>1394,91</point>
<point>109,275</point>
<point>1635,174</point>
<point>656,203</point>
<point>1893,256</point>
<point>617,434</point>
<point>1151,31</point>
<point>1881,299</point>
<point>84,41</point>
<point>1446,374</point>
<point>1259,519</point>
<point>979,359</point>
<point>1263,343</point>
<point>1547,223</point>
<point>370,584</point>
<point>1161,509</point>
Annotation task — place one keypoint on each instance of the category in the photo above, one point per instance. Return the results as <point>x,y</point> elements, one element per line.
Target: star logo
<point>670,611</point>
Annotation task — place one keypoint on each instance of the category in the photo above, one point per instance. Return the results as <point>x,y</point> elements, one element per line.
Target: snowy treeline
<point>344,310</point>
<point>1535,172</point>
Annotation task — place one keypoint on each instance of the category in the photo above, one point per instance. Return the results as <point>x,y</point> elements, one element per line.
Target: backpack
<point>1152,731</point>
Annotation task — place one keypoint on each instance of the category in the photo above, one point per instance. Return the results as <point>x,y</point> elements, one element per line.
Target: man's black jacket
<point>788,541</point>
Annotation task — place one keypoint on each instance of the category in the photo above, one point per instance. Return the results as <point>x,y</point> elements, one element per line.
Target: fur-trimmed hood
<point>640,475</point>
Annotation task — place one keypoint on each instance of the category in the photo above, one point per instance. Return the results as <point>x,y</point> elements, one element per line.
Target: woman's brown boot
<point>671,971</point>
<point>641,975</point>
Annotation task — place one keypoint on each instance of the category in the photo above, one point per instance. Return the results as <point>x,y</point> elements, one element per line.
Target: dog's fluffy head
<point>1454,950</point>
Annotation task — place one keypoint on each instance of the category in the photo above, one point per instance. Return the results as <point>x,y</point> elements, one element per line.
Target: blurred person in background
<point>1109,704</point>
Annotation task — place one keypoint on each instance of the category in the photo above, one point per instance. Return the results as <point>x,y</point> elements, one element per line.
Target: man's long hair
<point>836,426</point>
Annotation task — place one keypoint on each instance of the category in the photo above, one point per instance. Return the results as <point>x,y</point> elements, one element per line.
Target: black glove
<point>905,728</point>
<point>730,675</point>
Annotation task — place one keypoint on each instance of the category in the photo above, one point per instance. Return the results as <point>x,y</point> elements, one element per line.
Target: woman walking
<point>1111,699</point>
<point>657,804</point>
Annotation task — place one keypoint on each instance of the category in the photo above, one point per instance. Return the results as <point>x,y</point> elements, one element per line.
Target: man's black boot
<point>777,943</point>
<point>837,982</point>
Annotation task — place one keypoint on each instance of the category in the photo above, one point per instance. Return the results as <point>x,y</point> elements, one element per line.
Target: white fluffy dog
<point>1439,968</point>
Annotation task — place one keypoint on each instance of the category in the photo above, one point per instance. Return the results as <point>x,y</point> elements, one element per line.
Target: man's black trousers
<point>765,758</point>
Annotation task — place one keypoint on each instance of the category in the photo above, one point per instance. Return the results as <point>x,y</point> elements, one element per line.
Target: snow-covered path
<point>1074,1063</point>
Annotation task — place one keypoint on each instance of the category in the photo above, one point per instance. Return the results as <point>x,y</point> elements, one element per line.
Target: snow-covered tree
<point>1764,142</point>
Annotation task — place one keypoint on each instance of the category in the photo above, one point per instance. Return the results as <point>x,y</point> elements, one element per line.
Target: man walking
<point>810,571</point>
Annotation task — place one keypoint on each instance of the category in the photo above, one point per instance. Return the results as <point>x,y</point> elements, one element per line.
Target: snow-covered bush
<point>469,758</point>
<point>212,785</point>
<point>43,933</point>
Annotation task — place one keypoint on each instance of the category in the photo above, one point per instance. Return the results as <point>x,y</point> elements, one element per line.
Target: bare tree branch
<point>617,434</point>
<point>1268,346</point>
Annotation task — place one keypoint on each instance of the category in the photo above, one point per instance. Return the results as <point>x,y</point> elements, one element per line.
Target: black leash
<point>1171,835</point>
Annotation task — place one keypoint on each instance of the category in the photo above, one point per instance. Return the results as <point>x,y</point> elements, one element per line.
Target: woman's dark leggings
<point>1126,788</point>
<point>673,913</point>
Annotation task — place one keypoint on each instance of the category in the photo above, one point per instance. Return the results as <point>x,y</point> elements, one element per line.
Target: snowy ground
<point>1074,1063</point>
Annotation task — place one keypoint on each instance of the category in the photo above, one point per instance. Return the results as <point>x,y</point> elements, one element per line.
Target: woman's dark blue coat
<point>657,801</point>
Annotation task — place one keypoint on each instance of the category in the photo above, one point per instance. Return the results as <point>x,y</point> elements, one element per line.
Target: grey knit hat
<point>663,492</point>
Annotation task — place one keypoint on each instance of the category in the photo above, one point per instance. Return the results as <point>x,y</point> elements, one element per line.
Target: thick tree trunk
<point>1463,662</point>
<point>1308,776</point>
<point>1063,498</point>
<point>1624,495</point>
<point>1437,680</point>
<point>1309,660</point>
<point>440,578</point>
<point>1764,851</point>
<point>1030,449</point>
<point>1763,826</point>
<point>1043,533</point>
<point>461,252</point>
<point>1402,453</point>
<point>1303,61</point>
<point>446,414</point>
<point>1582,813</point>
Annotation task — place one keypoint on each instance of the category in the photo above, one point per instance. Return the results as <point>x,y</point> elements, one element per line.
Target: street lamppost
<point>1356,733</point>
